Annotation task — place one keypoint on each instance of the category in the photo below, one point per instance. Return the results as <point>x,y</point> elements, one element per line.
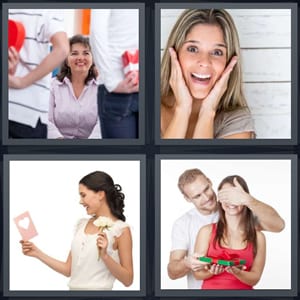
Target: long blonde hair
<point>233,96</point>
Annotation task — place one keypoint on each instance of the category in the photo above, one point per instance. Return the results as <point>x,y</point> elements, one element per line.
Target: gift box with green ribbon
<point>223,262</point>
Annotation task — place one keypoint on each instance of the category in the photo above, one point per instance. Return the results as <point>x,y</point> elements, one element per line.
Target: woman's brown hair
<point>248,220</point>
<point>65,70</point>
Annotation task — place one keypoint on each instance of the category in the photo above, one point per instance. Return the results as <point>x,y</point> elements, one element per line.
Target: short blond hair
<point>187,177</point>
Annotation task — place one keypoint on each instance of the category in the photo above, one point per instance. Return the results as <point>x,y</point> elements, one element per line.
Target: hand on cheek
<point>181,92</point>
<point>211,102</point>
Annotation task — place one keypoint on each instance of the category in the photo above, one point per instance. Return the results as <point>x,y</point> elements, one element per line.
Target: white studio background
<point>49,191</point>
<point>268,181</point>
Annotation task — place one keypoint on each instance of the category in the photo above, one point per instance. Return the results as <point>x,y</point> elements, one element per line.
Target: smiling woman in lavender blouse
<point>73,112</point>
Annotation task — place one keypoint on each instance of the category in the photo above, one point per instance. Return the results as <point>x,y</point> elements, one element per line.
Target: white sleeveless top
<point>87,272</point>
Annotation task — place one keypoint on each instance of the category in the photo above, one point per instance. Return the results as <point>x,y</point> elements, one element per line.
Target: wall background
<point>265,40</point>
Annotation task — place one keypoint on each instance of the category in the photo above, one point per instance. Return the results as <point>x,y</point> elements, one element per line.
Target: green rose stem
<point>102,223</point>
<point>101,229</point>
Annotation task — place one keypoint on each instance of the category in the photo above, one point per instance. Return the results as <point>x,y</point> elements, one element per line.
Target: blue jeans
<point>118,113</point>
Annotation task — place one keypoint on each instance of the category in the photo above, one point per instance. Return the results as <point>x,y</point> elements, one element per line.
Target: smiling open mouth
<point>232,206</point>
<point>201,77</point>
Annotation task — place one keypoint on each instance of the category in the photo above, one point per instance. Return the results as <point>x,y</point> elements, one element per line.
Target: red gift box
<point>223,262</point>
<point>130,61</point>
<point>16,34</point>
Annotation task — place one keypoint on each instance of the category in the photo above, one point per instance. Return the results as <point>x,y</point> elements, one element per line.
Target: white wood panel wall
<point>265,39</point>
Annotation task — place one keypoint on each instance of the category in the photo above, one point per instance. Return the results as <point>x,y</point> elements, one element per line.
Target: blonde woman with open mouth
<point>201,79</point>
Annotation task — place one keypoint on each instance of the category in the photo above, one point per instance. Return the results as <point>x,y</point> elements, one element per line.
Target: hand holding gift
<point>103,223</point>
<point>130,61</point>
<point>192,262</point>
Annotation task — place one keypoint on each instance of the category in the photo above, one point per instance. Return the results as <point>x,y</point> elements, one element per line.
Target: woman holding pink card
<point>101,251</point>
<point>233,238</point>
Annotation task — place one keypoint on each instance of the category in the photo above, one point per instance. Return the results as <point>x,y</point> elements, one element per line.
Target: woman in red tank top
<point>233,237</point>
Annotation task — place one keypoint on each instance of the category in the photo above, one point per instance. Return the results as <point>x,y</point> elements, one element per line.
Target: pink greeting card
<point>25,226</point>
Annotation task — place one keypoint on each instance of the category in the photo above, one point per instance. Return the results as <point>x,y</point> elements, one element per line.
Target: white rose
<point>104,222</point>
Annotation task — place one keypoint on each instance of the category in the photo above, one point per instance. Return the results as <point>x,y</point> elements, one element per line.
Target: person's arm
<point>177,267</point>
<point>127,85</point>
<point>122,271</point>
<point>64,268</point>
<point>178,125</point>
<point>201,246</point>
<point>180,261</point>
<point>13,60</point>
<point>252,277</point>
<point>180,244</point>
<point>60,50</point>
<point>205,125</point>
<point>268,218</point>
<point>99,39</point>
<point>180,264</point>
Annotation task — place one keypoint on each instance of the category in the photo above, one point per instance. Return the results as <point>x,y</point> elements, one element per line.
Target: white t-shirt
<point>27,105</point>
<point>112,32</point>
<point>87,272</point>
<point>184,233</point>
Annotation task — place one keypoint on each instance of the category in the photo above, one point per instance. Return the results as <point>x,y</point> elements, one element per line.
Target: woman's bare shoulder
<point>206,229</point>
<point>260,235</point>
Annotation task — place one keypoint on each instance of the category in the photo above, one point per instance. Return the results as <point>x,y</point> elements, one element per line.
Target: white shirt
<point>184,233</point>
<point>27,105</point>
<point>87,272</point>
<point>112,32</point>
